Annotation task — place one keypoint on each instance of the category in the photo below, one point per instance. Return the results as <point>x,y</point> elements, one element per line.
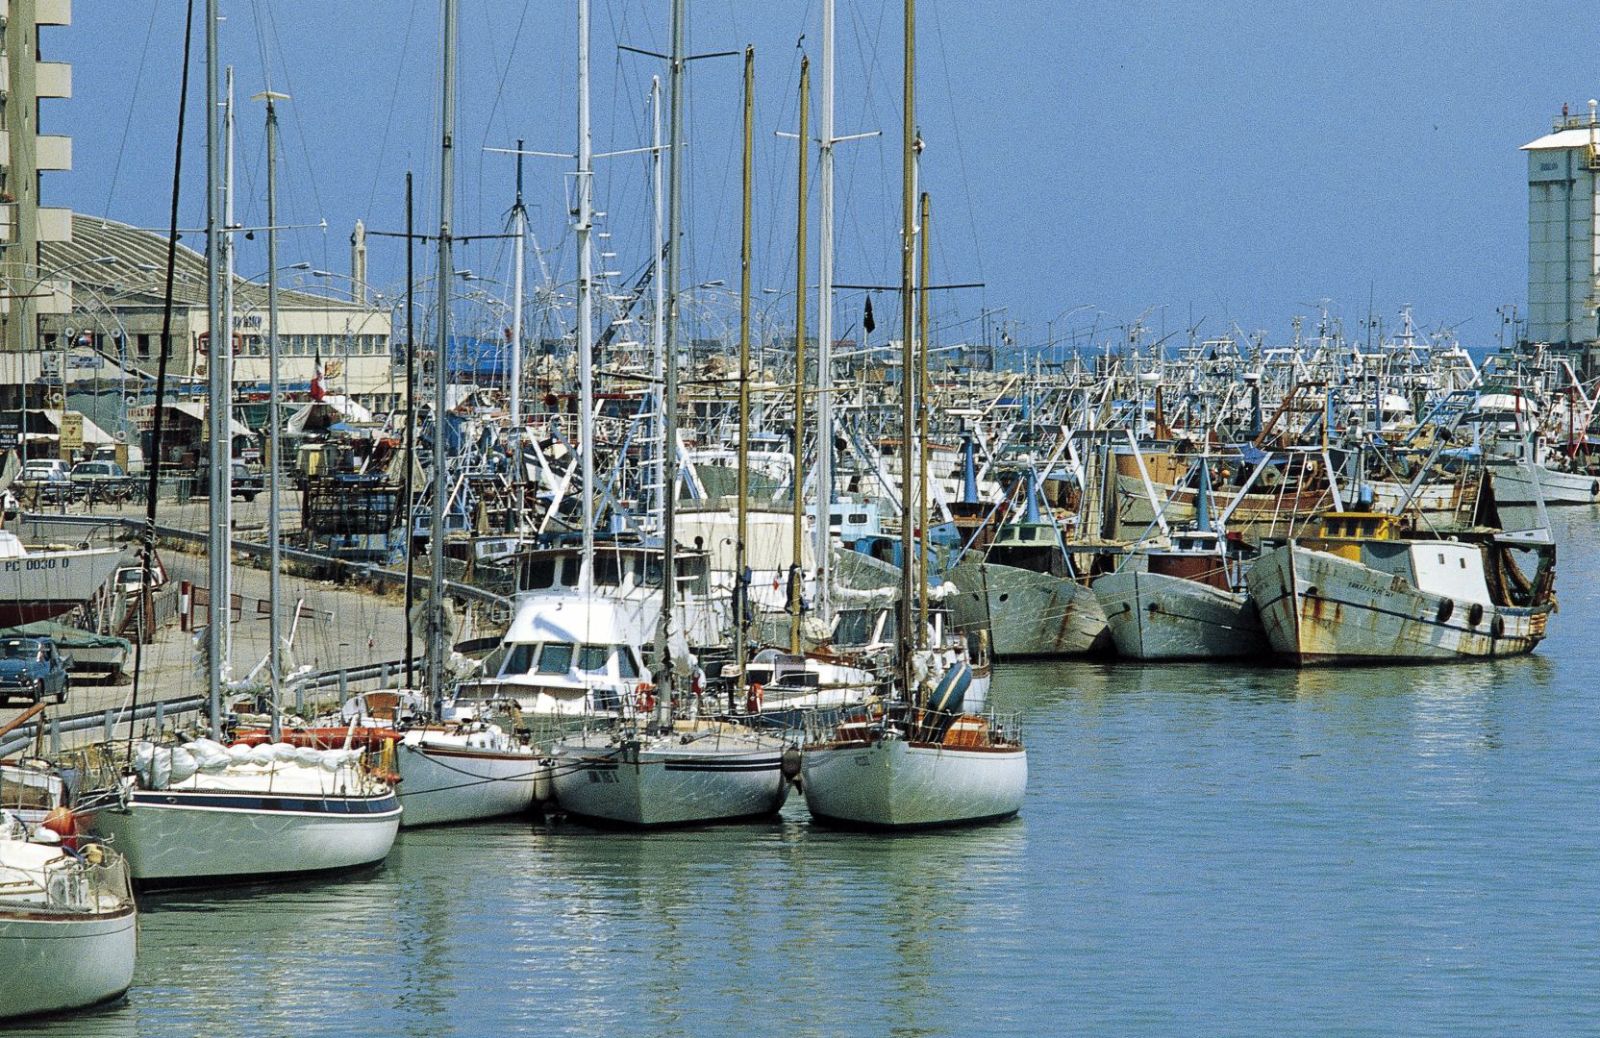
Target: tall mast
<point>218,562</point>
<point>519,219</point>
<point>222,418</point>
<point>741,599</point>
<point>585,304</point>
<point>796,576</point>
<point>658,316</point>
<point>669,406</point>
<point>908,562</point>
<point>411,428</point>
<point>922,417</point>
<point>441,363</point>
<point>824,476</point>
<point>274,457</point>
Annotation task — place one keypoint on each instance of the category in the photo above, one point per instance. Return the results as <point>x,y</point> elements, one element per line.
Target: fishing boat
<point>1187,603</point>
<point>1025,593</point>
<point>68,923</point>
<point>39,584</point>
<point>1360,590</point>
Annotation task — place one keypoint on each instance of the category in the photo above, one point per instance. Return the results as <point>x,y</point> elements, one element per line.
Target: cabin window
<point>626,665</point>
<point>858,518</point>
<point>607,570</point>
<point>519,661</point>
<point>539,573</point>
<point>652,570</point>
<point>556,658</point>
<point>1441,558</point>
<point>835,520</point>
<point>569,572</point>
<point>1463,563</point>
<point>592,658</point>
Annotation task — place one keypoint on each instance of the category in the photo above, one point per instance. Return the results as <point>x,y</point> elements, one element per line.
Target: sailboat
<point>200,812</point>
<point>917,760</point>
<point>650,767</point>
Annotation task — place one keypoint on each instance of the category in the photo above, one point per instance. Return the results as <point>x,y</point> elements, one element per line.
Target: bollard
<point>110,723</point>
<point>55,737</point>
<point>344,686</point>
<point>161,716</point>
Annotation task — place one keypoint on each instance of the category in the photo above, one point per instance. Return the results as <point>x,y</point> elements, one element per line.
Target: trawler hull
<point>897,784</point>
<point>1514,484</point>
<point>665,781</point>
<point>1027,614</point>
<point>1318,608</point>
<point>1154,616</point>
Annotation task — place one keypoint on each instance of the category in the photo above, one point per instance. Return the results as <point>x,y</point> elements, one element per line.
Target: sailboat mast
<point>824,472</point>
<point>222,418</point>
<point>411,428</point>
<point>519,220</point>
<point>796,574</point>
<point>274,418</point>
<point>585,303</point>
<point>669,405</point>
<point>922,416</point>
<point>218,560</point>
<point>658,316</point>
<point>907,362</point>
<point>441,365</point>
<point>741,598</point>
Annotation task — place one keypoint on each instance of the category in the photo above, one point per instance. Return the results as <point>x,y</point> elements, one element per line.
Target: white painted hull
<point>442,783</point>
<point>189,836</point>
<point>1514,485</point>
<point>1027,613</point>
<point>51,962</point>
<point>43,584</point>
<point>667,782</point>
<point>1319,608</point>
<point>892,783</point>
<point>1153,616</point>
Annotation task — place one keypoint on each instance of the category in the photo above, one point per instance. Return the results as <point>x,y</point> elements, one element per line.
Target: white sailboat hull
<point>665,782</point>
<point>1319,608</point>
<point>442,783</point>
<point>1027,613</point>
<point>52,962</point>
<point>189,836</point>
<point>893,783</point>
<point>1154,616</point>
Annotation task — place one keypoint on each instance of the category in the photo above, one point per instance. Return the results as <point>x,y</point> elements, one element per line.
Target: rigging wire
<point>133,100</point>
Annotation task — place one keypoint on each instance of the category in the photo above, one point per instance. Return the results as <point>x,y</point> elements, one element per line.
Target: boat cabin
<point>615,568</point>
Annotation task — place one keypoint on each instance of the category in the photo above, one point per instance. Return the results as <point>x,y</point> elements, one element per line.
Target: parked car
<point>33,669</point>
<point>47,480</point>
<point>97,472</point>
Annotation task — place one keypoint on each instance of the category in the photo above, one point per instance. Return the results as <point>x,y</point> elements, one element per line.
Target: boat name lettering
<point>18,565</point>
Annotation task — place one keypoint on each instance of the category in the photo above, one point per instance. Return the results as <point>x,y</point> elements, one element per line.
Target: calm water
<point>1204,850</point>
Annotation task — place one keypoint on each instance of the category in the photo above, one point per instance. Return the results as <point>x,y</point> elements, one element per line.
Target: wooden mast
<point>797,541</point>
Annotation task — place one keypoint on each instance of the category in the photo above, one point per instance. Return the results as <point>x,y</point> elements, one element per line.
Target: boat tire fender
<point>1475,614</point>
<point>1447,609</point>
<point>1497,626</point>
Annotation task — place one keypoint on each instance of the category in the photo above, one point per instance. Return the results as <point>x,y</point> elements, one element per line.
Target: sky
<point>1218,166</point>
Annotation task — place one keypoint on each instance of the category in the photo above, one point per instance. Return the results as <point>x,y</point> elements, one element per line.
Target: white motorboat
<point>465,773</point>
<point>68,926</point>
<point>693,772</point>
<point>199,813</point>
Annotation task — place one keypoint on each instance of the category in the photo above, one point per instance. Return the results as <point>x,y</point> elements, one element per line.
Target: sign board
<point>71,431</point>
<point>10,431</point>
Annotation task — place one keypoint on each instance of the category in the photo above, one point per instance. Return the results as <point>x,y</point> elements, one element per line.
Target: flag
<point>866,319</point>
<point>317,392</point>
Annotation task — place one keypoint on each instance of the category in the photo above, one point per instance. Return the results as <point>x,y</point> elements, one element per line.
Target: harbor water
<point>1203,850</point>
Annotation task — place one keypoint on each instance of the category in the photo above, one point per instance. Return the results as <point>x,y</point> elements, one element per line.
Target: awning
<point>93,435</point>
<point>195,409</point>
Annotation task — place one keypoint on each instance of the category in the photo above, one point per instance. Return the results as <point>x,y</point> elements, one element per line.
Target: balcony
<point>55,223</point>
<point>53,12</point>
<point>54,151</point>
<point>53,79</point>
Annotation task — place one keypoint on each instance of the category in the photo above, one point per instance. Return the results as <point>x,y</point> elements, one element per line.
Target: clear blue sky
<point>1236,162</point>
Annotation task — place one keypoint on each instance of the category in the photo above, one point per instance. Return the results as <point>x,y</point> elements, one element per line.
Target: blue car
<point>33,669</point>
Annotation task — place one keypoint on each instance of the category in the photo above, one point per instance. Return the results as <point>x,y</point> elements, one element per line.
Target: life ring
<point>1447,609</point>
<point>754,698</point>
<point>1475,614</point>
<point>644,698</point>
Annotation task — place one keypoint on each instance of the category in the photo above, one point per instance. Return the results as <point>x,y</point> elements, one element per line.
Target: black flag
<point>866,319</point>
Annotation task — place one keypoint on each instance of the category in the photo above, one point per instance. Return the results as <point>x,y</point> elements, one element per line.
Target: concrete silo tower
<point>1564,235</point>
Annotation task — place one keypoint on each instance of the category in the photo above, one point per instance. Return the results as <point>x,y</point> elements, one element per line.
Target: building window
<point>142,346</point>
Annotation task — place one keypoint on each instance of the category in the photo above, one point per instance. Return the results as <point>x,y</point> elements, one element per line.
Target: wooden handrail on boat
<point>21,719</point>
